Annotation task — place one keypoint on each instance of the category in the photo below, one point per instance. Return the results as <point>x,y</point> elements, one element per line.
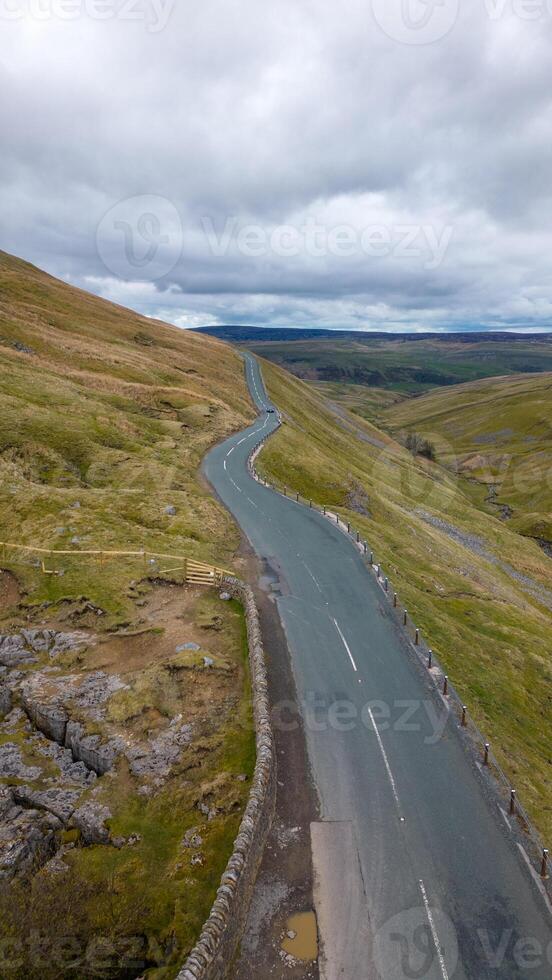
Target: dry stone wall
<point>215,949</point>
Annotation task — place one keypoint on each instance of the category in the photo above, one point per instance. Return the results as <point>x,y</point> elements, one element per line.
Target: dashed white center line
<point>345,644</point>
<point>230,451</point>
<point>253,503</point>
<point>224,464</point>
<point>386,761</point>
<point>313,577</point>
<point>234,484</point>
<point>431,921</point>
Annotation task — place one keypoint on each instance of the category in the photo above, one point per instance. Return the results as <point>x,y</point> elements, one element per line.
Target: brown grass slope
<point>105,409</point>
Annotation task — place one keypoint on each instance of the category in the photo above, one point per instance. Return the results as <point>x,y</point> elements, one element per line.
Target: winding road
<point>417,874</point>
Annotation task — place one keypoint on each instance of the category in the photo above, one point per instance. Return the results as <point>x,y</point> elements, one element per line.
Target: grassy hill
<point>481,593</point>
<point>497,435</point>
<point>104,419</point>
<point>408,365</point>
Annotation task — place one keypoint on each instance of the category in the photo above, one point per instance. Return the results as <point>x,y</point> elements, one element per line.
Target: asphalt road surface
<point>417,874</point>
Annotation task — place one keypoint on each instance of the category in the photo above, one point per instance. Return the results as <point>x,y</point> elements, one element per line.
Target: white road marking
<point>345,644</point>
<point>313,577</point>
<point>234,484</point>
<point>431,921</point>
<point>224,464</point>
<point>386,761</point>
<point>253,503</point>
<point>230,451</point>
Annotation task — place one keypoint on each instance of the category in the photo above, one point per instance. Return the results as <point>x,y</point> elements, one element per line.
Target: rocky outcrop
<point>157,757</point>
<point>89,749</point>
<point>90,820</point>
<point>49,718</point>
<point>212,955</point>
<point>12,764</point>
<point>5,699</point>
<point>13,652</point>
<point>23,647</point>
<point>60,802</point>
<point>27,837</point>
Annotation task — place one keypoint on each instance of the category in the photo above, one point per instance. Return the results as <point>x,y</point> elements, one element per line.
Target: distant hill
<point>238,334</point>
<point>497,434</point>
<point>409,364</point>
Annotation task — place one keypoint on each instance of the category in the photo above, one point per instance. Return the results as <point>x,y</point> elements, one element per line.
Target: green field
<point>405,366</point>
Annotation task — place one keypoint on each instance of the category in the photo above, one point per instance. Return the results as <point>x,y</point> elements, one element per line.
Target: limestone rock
<point>11,763</point>
<point>13,652</point>
<point>89,749</point>
<point>90,820</point>
<point>157,757</point>
<point>27,837</point>
<point>60,802</point>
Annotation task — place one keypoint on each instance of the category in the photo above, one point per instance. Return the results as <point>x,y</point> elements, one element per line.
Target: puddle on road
<point>304,944</point>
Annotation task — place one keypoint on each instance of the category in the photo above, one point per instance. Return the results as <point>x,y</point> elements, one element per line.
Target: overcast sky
<point>383,164</point>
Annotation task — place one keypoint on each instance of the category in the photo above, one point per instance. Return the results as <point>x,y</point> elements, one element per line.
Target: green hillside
<point>497,435</point>
<point>105,417</point>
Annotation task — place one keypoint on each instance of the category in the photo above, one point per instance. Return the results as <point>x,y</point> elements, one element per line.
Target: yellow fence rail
<point>194,572</point>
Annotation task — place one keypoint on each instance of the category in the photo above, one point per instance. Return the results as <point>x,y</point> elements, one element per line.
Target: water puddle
<point>301,937</point>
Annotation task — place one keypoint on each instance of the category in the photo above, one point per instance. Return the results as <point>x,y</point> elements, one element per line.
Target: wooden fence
<point>194,572</point>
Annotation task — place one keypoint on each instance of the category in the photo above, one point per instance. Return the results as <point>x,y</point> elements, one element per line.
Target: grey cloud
<point>272,113</point>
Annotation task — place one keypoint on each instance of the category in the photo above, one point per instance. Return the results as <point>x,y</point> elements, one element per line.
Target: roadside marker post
<point>445,685</point>
<point>417,640</point>
<point>405,617</point>
<point>544,866</point>
<point>486,758</point>
<point>395,597</point>
<point>464,714</point>
<point>429,659</point>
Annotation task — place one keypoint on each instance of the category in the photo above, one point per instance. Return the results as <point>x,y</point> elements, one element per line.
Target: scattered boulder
<point>225,596</point>
<point>90,820</point>
<point>182,647</point>
<point>170,510</point>
<point>192,838</point>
